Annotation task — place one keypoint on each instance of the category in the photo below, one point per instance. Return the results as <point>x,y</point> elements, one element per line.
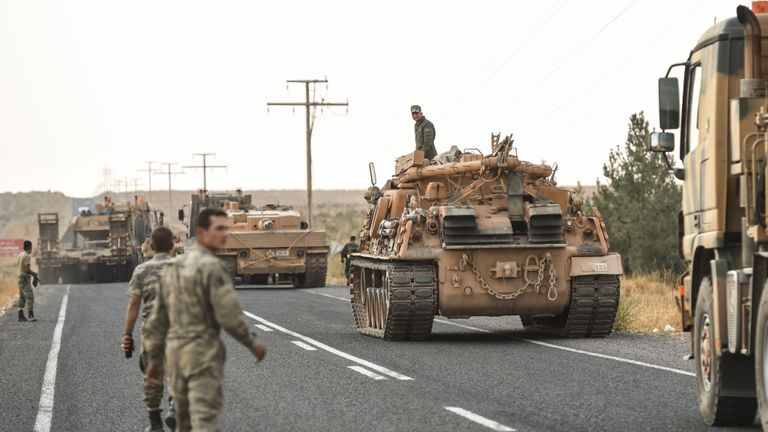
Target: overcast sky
<point>89,85</point>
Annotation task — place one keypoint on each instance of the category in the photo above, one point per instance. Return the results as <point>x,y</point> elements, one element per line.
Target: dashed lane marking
<point>324,347</point>
<point>301,344</point>
<point>262,327</point>
<point>477,418</point>
<point>366,372</point>
<point>45,407</point>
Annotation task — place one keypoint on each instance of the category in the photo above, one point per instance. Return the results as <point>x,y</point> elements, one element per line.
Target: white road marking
<point>367,373</point>
<point>304,345</point>
<point>326,295</point>
<point>324,347</point>
<point>469,415</point>
<point>45,407</point>
<point>577,351</point>
<point>549,345</point>
<point>263,327</point>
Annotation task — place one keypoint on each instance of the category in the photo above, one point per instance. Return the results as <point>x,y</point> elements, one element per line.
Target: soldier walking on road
<point>26,278</point>
<point>195,300</point>
<point>143,287</point>
<point>350,247</point>
<point>425,133</point>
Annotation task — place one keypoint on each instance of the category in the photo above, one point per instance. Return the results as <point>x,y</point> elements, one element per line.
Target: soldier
<point>25,278</point>
<point>196,299</point>
<point>143,287</point>
<point>146,250</point>
<point>425,133</point>
<point>350,247</point>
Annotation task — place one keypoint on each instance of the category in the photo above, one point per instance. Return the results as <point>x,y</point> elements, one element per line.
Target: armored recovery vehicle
<point>266,241</point>
<point>472,235</point>
<point>722,236</point>
<point>100,246</point>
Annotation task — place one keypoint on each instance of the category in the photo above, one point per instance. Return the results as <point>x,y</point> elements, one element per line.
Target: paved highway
<point>66,372</point>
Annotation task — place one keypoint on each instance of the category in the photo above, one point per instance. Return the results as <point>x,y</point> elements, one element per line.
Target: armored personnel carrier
<point>473,235</point>
<point>266,241</point>
<point>99,246</point>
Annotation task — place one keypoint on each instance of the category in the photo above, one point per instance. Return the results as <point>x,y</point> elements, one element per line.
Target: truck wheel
<point>761,358</point>
<point>713,373</point>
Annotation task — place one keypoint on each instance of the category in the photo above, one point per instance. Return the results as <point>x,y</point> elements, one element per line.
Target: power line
<point>310,105</point>
<point>170,173</point>
<point>205,167</point>
<point>150,172</point>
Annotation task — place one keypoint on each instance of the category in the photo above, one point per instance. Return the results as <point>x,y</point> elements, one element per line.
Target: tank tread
<point>411,300</point>
<point>317,270</point>
<point>591,313</point>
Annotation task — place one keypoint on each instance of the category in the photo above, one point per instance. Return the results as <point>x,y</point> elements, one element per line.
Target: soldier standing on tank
<point>425,133</point>
<point>143,287</point>
<point>25,278</point>
<point>350,247</point>
<point>195,300</point>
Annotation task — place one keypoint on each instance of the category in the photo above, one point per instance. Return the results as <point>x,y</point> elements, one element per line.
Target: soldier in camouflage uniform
<point>195,301</point>
<point>24,277</point>
<point>350,247</point>
<point>143,287</point>
<point>425,133</point>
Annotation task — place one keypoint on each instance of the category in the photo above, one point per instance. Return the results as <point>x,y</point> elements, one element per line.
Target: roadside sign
<point>11,247</point>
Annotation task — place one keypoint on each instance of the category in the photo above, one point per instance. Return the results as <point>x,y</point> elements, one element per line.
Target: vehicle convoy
<point>723,238</point>
<point>266,241</point>
<point>100,246</point>
<point>472,235</point>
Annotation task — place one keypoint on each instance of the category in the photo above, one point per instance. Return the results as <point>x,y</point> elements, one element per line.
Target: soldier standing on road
<point>195,300</point>
<point>143,287</point>
<point>350,247</point>
<point>425,133</point>
<point>25,278</point>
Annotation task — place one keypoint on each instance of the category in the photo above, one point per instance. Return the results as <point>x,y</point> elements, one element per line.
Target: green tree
<point>640,203</point>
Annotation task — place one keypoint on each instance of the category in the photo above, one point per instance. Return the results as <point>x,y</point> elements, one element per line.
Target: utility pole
<point>150,172</point>
<point>170,173</point>
<point>205,168</point>
<point>310,106</point>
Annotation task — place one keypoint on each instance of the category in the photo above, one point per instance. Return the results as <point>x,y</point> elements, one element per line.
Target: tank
<point>100,245</point>
<point>469,235</point>
<point>266,244</point>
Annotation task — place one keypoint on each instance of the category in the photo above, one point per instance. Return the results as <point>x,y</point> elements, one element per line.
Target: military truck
<point>263,242</point>
<point>723,126</point>
<point>99,246</point>
<point>468,234</point>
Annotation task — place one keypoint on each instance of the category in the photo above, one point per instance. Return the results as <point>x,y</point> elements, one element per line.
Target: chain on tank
<point>538,284</point>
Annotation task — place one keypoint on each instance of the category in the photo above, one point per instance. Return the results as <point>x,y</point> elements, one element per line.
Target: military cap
<point>415,108</point>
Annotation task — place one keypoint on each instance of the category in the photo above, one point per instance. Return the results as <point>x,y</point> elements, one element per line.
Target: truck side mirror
<point>181,215</point>
<point>669,104</point>
<point>661,142</point>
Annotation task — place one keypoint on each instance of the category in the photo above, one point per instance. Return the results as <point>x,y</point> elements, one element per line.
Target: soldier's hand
<point>154,375</point>
<point>127,343</point>
<point>259,351</point>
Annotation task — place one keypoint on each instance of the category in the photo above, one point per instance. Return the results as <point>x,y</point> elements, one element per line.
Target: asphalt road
<point>320,375</point>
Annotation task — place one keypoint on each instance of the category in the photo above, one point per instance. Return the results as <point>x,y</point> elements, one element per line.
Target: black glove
<point>35,282</point>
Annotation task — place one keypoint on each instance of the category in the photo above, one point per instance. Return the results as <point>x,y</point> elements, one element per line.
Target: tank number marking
<point>282,253</point>
<point>600,267</point>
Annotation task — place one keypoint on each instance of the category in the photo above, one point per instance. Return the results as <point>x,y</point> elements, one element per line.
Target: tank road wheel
<point>761,358</point>
<point>591,312</point>
<point>394,301</point>
<point>713,372</point>
<point>317,269</point>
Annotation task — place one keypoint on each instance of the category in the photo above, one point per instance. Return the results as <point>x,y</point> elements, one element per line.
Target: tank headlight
<point>243,254</point>
<point>300,253</point>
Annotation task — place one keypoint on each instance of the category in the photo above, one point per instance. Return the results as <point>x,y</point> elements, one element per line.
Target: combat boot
<point>22,318</point>
<point>155,421</point>
<point>31,316</point>
<point>170,418</point>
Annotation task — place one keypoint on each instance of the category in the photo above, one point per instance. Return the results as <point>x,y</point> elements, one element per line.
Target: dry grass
<point>648,303</point>
<point>8,291</point>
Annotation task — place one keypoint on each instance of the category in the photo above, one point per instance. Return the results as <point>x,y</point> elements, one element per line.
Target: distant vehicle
<point>723,238</point>
<point>473,235</point>
<point>263,242</point>
<point>100,246</point>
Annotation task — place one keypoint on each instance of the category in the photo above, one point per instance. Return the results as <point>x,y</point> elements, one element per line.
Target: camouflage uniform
<point>348,249</point>
<point>26,296</point>
<point>195,301</point>
<point>425,137</point>
<point>146,278</point>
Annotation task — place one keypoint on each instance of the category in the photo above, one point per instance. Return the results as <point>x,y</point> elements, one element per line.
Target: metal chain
<point>551,291</point>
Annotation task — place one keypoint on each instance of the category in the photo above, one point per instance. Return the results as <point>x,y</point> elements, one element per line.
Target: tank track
<point>317,269</point>
<point>408,302</point>
<point>591,312</point>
